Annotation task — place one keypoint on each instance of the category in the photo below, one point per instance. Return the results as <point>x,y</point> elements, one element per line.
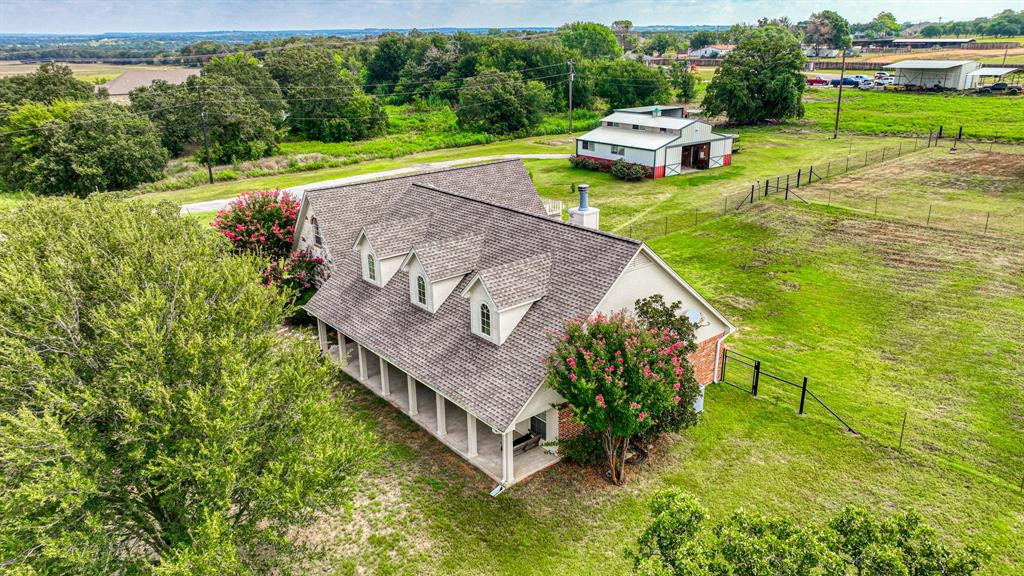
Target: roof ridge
<point>530,214</point>
<point>413,174</point>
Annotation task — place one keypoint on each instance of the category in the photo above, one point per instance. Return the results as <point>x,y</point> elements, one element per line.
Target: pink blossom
<point>634,405</point>
<point>642,416</point>
<point>600,400</point>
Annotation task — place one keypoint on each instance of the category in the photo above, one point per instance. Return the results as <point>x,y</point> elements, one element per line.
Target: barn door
<point>673,161</point>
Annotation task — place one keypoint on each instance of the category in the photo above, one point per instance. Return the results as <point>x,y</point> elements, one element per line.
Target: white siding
<point>644,277</point>
<point>634,155</point>
<point>415,272</point>
<point>304,237</point>
<point>478,296</point>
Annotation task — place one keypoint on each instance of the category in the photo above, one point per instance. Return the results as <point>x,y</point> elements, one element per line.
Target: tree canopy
<point>152,421</point>
<point>500,102</point>
<point>49,83</point>
<point>78,148</point>
<point>625,83</point>
<point>760,80</point>
<point>828,28</point>
<point>595,41</point>
<point>680,541</point>
<point>702,39</point>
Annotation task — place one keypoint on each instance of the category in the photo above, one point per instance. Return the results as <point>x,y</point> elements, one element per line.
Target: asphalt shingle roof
<point>518,282</point>
<point>390,237</point>
<point>494,382</point>
<point>443,259</point>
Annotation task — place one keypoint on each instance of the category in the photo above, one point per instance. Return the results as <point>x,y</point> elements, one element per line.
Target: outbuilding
<point>660,137</point>
<point>948,74</point>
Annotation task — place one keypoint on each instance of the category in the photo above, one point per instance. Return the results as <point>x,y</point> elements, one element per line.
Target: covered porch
<point>505,456</point>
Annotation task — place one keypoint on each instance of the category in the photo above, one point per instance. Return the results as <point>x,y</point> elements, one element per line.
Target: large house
<point>441,288</point>
<point>659,137</point>
<point>712,51</point>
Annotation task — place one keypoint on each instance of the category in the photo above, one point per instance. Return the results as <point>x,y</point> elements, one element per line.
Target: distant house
<point>712,51</point>
<point>660,137</point>
<point>947,74</point>
<point>119,87</point>
<point>441,288</point>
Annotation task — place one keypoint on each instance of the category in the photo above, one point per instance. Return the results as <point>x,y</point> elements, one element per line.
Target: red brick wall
<point>703,360</point>
<point>568,426</point>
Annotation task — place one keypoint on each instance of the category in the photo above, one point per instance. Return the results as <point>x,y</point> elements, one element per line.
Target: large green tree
<point>152,420</point>
<point>325,102</point>
<point>385,63</point>
<point>703,38</point>
<point>760,80</point>
<point>250,73</point>
<point>78,148</point>
<point>625,83</point>
<point>500,103</point>
<point>172,110</point>
<point>238,127</point>
<point>828,28</point>
<point>49,83</point>
<point>594,41</point>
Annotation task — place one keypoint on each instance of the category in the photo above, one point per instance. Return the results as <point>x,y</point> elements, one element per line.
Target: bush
<point>584,448</point>
<point>629,171</point>
<point>587,163</point>
<point>260,222</point>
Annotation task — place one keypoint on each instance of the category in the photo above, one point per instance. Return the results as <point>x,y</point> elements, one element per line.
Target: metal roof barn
<point>949,74</point>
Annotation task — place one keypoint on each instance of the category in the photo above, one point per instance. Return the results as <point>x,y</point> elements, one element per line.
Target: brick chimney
<point>584,214</point>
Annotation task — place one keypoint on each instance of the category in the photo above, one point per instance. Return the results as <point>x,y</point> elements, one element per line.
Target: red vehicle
<point>817,81</point>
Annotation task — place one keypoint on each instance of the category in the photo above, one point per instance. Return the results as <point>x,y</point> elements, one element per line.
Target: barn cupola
<point>585,215</point>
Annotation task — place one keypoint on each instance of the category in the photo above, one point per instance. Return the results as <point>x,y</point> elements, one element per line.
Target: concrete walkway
<point>298,191</point>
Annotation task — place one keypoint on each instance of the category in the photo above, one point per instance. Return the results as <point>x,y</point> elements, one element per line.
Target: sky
<point>99,16</point>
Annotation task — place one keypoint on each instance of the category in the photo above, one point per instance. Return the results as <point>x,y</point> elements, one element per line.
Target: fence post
<point>810,174</point>
<point>787,185</point>
<point>694,216</point>
<point>866,157</point>
<point>915,144</point>
<point>847,163</point>
<point>987,216</point>
<point>751,193</point>
<point>799,174</point>
<point>899,151</point>
<point>766,181</point>
<point>929,221</point>
<point>725,362</point>
<point>938,136</point>
<point>757,376</point>
<point>883,154</point>
<point>828,169</point>
<point>803,395</point>
<point>903,429</point>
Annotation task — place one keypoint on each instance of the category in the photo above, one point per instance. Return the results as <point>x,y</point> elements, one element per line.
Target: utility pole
<point>572,76</point>
<point>206,138</point>
<point>839,100</point>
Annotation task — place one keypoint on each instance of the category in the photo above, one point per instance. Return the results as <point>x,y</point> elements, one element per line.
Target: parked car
<point>859,77</point>
<point>887,81</point>
<point>846,82</point>
<point>880,75</point>
<point>817,81</point>
<point>1001,87</point>
<point>866,85</point>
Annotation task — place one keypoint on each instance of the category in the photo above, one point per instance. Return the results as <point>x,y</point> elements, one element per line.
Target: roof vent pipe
<point>584,190</point>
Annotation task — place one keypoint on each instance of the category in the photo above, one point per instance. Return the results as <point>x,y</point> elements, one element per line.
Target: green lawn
<point>883,317</point>
<point>648,207</point>
<point>889,112</point>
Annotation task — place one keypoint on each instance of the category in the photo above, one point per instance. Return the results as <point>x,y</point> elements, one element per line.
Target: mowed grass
<point>652,206</point>
<point>90,72</point>
<point>881,316</point>
<point>890,112</point>
<point>972,189</point>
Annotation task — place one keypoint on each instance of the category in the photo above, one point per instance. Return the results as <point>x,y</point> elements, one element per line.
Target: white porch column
<point>385,384</point>
<point>341,348</point>
<point>551,429</point>
<point>442,426</point>
<point>470,435</point>
<point>507,475</point>
<point>321,332</point>
<point>410,383</point>
<point>362,362</point>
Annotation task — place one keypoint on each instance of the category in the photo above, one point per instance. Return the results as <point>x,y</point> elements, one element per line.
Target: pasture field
<point>89,72</point>
<point>883,316</point>
<point>890,112</point>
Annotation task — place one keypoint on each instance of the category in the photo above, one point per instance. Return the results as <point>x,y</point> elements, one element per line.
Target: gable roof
<point>629,138</point>
<point>393,237</point>
<point>439,349</point>
<point>133,79</point>
<point>928,64</point>
<point>515,283</point>
<point>641,119</point>
<point>443,259</point>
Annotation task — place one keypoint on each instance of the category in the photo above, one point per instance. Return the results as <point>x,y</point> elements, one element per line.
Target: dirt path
<point>298,191</point>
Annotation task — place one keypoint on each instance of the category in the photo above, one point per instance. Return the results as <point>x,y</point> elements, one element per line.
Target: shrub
<point>584,448</point>
<point>261,222</point>
<point>588,164</point>
<point>629,171</point>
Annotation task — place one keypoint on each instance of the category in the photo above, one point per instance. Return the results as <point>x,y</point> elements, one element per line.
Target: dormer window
<point>421,290</point>
<point>317,238</point>
<point>371,267</point>
<point>485,319</point>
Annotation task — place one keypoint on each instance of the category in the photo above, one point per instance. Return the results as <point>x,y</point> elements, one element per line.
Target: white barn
<point>949,74</point>
<point>659,137</point>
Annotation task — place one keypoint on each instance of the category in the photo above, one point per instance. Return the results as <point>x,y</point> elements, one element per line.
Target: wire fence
<point>799,185</point>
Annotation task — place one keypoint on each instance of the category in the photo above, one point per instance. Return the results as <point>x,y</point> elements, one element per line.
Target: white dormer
<point>436,268</point>
<point>383,246</point>
<point>500,297</point>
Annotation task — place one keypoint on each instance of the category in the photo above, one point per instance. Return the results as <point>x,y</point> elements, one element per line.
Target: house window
<point>485,320</point>
<point>586,145</point>
<point>663,130</point>
<point>421,290</point>
<point>609,123</point>
<point>371,267</point>
<point>618,150</point>
<point>317,239</point>
<point>636,127</point>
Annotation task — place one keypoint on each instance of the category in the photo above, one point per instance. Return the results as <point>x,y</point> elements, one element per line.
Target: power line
<point>78,122</point>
